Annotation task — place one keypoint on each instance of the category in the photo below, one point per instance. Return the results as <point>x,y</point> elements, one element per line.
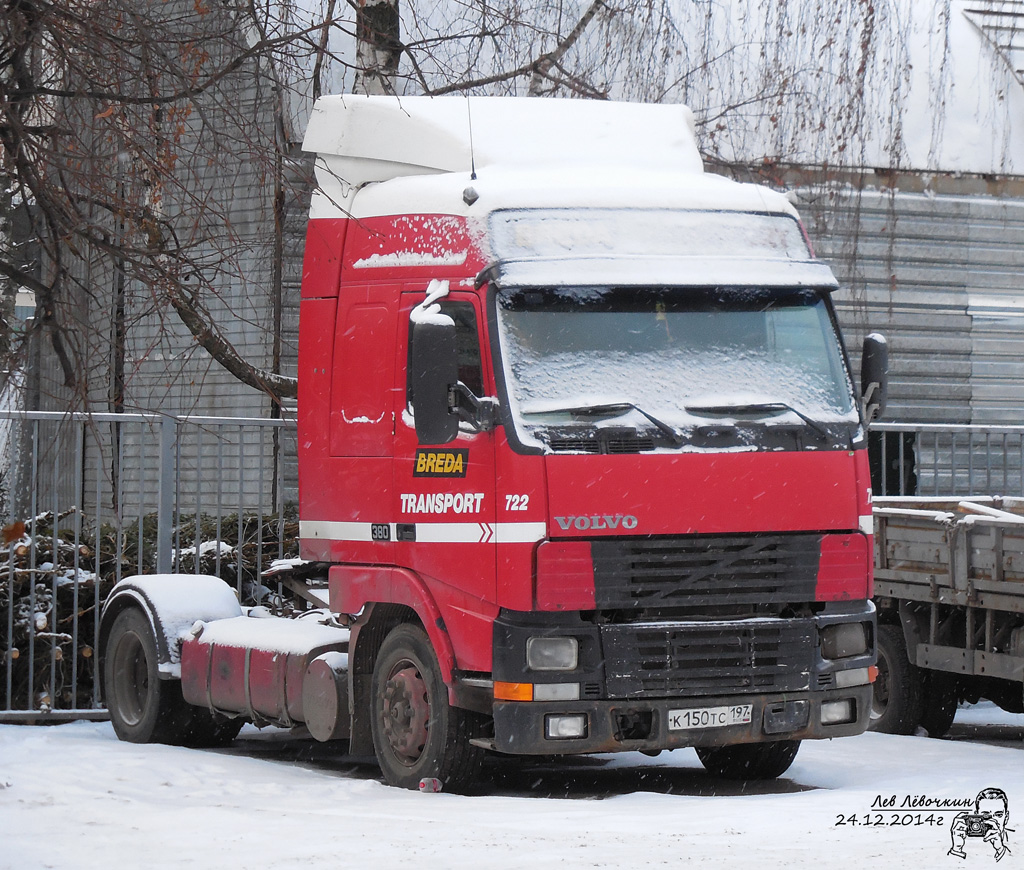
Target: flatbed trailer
<point>949,590</point>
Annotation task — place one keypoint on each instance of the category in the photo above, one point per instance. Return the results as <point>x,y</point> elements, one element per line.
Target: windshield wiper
<point>755,408</point>
<point>614,409</point>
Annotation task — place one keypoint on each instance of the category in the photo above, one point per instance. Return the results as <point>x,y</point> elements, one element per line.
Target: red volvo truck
<point>580,461</point>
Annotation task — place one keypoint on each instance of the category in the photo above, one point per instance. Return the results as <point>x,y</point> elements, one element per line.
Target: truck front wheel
<point>897,703</point>
<point>416,733</point>
<point>749,760</point>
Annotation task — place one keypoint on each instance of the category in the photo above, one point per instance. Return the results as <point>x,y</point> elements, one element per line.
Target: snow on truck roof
<point>414,135</point>
<point>539,163</point>
<point>525,151</point>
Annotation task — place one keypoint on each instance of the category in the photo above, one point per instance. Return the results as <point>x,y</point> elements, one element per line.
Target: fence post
<point>166,490</point>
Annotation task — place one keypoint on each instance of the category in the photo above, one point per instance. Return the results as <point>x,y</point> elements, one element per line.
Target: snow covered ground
<point>72,796</point>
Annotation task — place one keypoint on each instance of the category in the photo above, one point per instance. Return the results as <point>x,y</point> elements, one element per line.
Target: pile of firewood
<point>53,584</point>
<point>236,551</point>
<point>48,591</point>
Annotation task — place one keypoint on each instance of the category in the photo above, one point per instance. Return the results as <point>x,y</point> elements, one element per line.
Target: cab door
<point>444,494</point>
<point>356,486</point>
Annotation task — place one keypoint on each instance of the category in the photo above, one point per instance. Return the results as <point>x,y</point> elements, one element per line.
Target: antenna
<point>472,153</point>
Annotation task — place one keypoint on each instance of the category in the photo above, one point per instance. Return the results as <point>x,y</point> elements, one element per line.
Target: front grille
<point>650,660</point>
<point>706,573</point>
<point>629,445</point>
<point>574,445</point>
<point>593,444</point>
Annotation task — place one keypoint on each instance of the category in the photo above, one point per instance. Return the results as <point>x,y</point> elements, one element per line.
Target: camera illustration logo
<point>987,824</point>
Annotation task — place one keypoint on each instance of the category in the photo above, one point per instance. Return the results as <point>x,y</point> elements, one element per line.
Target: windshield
<point>675,363</point>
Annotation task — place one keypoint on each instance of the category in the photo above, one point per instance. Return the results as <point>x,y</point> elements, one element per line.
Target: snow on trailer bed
<point>72,796</point>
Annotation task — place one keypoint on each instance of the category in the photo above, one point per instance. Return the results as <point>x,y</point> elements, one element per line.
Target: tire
<point>208,730</point>
<point>749,760</point>
<point>1005,694</point>
<point>143,708</point>
<point>416,734</point>
<point>897,703</point>
<point>939,702</point>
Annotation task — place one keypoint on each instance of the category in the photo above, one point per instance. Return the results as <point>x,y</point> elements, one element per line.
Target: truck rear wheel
<point>416,733</point>
<point>896,704</point>
<point>205,729</point>
<point>939,702</point>
<point>143,708</point>
<point>749,760</point>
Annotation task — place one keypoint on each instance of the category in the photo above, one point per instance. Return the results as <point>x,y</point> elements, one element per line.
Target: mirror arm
<point>868,405</point>
<point>874,376</point>
<point>480,413</point>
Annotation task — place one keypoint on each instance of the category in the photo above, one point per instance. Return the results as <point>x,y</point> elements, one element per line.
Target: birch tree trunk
<point>378,46</point>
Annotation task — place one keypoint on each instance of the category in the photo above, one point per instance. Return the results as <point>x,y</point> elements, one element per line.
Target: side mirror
<point>433,372</point>
<point>874,376</point>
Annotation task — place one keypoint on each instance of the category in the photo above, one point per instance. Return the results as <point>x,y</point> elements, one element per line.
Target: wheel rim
<point>880,690</point>
<point>406,712</point>
<point>131,678</point>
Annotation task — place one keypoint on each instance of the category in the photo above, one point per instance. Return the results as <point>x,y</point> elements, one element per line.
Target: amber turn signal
<point>513,691</point>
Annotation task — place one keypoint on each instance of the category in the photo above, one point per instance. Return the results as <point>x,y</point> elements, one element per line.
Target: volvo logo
<point>593,523</point>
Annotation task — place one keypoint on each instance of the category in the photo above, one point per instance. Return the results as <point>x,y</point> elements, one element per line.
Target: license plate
<point>709,717</point>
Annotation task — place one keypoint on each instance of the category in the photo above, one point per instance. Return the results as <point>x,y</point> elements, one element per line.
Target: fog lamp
<point>552,653</point>
<point>837,712</point>
<point>565,727</point>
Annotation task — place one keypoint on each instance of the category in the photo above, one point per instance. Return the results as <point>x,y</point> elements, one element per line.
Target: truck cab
<point>584,410</point>
<point>580,459</point>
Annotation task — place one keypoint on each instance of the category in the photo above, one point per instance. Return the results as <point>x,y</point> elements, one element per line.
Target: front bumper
<point>622,726</point>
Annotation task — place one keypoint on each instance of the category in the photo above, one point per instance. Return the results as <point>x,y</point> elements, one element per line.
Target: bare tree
<point>378,45</point>
<point>147,143</point>
<point>794,80</point>
<point>122,128</point>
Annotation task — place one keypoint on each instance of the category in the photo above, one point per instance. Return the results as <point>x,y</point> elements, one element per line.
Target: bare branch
<point>200,324</point>
<point>546,61</point>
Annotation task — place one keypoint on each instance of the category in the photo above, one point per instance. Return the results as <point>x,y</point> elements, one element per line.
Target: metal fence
<point>90,498</point>
<point>940,460</point>
<point>87,499</point>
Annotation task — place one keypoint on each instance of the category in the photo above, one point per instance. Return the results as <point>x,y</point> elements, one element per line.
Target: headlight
<point>844,640</point>
<point>552,653</point>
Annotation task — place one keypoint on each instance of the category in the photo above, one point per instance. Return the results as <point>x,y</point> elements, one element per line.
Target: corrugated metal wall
<point>902,263</point>
<point>942,276</point>
<point>225,198</point>
<point>996,291</point>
